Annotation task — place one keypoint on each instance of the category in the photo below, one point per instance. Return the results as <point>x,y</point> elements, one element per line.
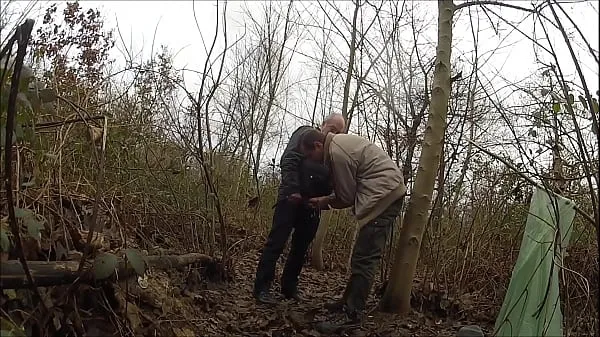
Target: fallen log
<point>55,273</point>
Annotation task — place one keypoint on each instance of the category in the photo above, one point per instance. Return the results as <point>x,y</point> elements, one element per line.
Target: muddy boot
<point>293,296</point>
<point>338,305</point>
<point>264,297</point>
<point>335,306</point>
<point>338,322</point>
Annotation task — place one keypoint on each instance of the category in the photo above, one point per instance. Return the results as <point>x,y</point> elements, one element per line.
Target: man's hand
<point>295,198</point>
<point>319,202</point>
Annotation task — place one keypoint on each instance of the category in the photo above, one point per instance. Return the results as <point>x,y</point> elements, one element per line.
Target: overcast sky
<point>174,24</point>
<point>507,52</point>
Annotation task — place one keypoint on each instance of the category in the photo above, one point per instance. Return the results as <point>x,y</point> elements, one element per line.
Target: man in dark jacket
<point>300,180</point>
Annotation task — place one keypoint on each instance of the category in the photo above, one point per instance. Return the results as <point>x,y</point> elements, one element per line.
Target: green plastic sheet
<point>531,306</point>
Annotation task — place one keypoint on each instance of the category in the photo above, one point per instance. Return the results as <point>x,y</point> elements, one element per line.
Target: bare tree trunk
<point>317,251</point>
<point>320,79</point>
<point>316,258</point>
<point>397,293</point>
<point>350,66</point>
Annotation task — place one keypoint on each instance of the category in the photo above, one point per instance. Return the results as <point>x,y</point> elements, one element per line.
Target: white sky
<point>172,23</point>
<point>176,27</point>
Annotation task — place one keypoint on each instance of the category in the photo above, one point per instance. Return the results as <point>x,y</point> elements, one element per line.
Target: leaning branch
<point>496,3</point>
<point>22,36</point>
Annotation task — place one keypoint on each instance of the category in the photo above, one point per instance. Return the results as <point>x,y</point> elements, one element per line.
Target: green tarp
<point>532,304</point>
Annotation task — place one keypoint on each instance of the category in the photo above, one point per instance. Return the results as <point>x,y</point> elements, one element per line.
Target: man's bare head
<point>334,123</point>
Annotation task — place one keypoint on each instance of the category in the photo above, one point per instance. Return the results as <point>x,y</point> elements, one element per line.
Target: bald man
<point>300,180</point>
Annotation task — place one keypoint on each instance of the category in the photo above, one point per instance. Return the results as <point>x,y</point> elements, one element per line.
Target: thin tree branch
<point>496,3</point>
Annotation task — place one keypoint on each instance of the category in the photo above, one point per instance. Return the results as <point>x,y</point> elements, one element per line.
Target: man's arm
<point>344,170</point>
<point>327,202</point>
<point>290,163</point>
<point>338,204</point>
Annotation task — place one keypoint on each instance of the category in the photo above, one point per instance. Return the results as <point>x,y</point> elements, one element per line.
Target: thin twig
<point>22,36</point>
<point>496,3</point>
<point>61,123</point>
<point>99,183</point>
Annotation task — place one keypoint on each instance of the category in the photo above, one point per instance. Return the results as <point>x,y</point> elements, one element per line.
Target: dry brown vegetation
<point>154,168</point>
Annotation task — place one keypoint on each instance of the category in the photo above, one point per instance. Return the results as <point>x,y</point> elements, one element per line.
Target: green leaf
<point>7,328</point>
<point>583,101</point>
<point>34,100</point>
<point>22,99</point>
<point>10,293</point>
<point>23,213</point>
<point>19,134</point>
<point>25,78</point>
<point>571,99</point>
<point>34,227</point>
<point>556,107</point>
<point>136,260</point>
<point>19,333</point>
<point>104,265</point>
<point>4,241</point>
<point>26,73</point>
<point>6,333</point>
<point>48,95</point>
<point>595,105</point>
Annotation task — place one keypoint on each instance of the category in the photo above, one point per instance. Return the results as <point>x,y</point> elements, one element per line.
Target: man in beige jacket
<point>366,179</point>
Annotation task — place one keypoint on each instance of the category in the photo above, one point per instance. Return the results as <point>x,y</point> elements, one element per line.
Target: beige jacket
<point>363,175</point>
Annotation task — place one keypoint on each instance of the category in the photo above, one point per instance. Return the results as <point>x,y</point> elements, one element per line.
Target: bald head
<point>334,123</point>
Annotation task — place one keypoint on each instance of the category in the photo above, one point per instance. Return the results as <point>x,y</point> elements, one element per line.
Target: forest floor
<point>209,299</point>
<point>228,309</point>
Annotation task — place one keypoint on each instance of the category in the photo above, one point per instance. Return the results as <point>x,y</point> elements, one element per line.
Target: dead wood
<point>12,275</point>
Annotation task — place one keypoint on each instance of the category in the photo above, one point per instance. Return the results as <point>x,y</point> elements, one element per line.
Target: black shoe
<point>264,297</point>
<point>294,297</point>
<point>337,323</point>
<point>335,306</point>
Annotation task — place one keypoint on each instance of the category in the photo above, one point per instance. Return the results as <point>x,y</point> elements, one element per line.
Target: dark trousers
<point>366,257</point>
<point>304,221</point>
